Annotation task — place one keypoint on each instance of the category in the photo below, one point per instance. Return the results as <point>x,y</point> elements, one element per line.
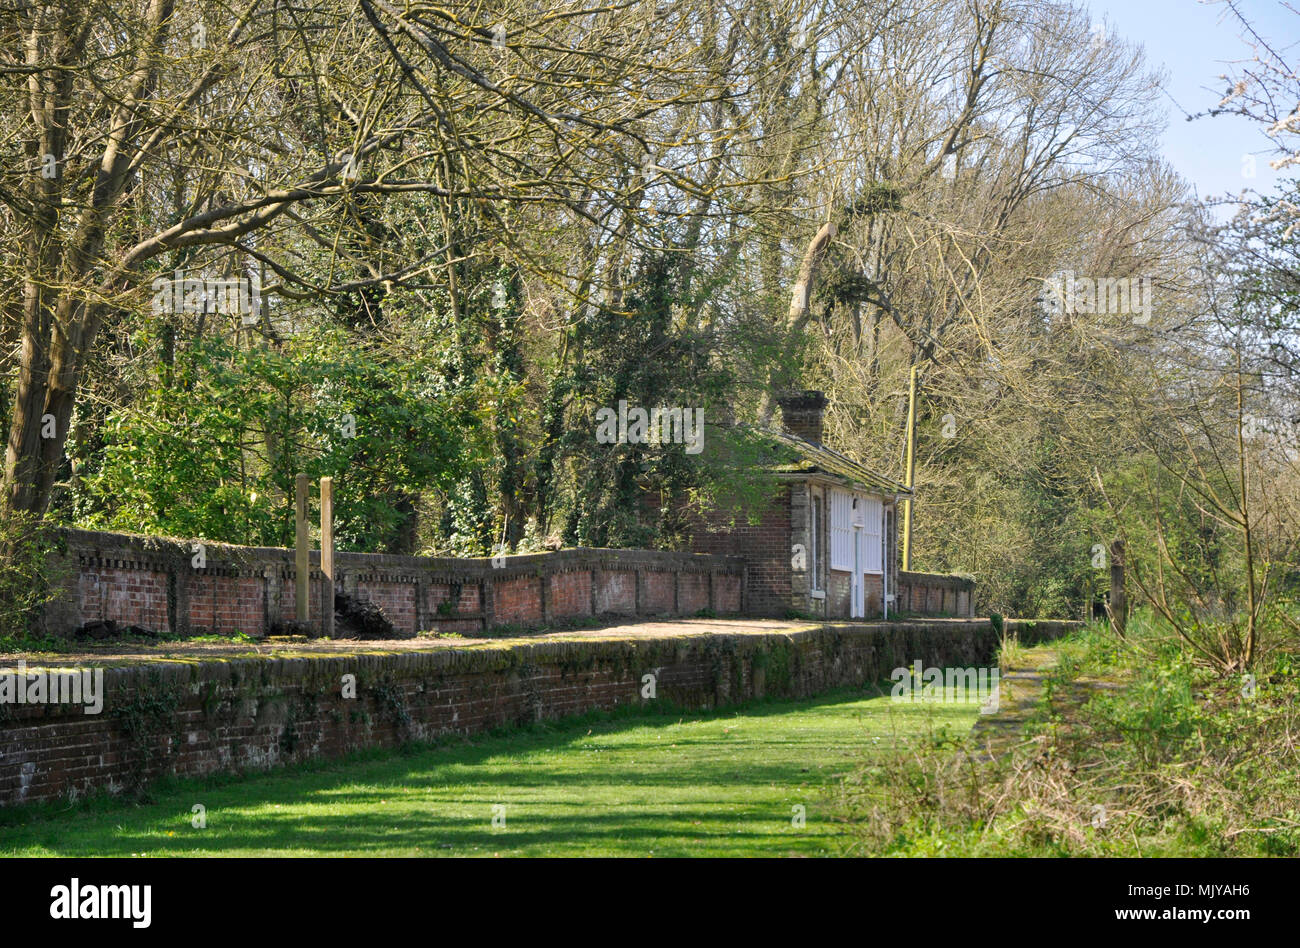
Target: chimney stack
<point>801,413</point>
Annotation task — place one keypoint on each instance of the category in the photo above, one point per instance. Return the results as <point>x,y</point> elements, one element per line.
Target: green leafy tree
<point>215,453</point>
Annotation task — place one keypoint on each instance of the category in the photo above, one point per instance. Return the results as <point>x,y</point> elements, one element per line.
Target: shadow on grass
<point>627,782</point>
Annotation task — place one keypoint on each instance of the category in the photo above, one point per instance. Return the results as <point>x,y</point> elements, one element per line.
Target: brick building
<point>827,544</point>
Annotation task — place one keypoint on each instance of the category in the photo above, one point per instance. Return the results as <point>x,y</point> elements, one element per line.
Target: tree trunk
<point>1117,604</point>
<point>797,317</point>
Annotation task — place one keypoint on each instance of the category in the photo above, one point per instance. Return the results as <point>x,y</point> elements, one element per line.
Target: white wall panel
<point>841,530</point>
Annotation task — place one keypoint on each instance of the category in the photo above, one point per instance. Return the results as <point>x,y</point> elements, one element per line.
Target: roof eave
<point>891,490</point>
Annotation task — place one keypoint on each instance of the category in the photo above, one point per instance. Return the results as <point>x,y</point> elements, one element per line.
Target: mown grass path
<point>711,784</point>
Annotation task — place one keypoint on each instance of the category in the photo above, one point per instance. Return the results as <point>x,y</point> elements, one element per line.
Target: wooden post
<point>911,470</point>
<point>1117,604</point>
<point>301,559</point>
<point>488,598</point>
<point>327,555</point>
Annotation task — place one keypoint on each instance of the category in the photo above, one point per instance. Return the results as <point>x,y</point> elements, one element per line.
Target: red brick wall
<point>934,594</point>
<point>693,593</point>
<point>517,601</point>
<point>728,592</point>
<point>570,594</point>
<point>766,547</point>
<point>226,604</point>
<point>839,594</point>
<point>873,588</point>
<point>130,596</point>
<point>296,711</point>
<point>659,594</point>
<point>153,583</point>
<point>616,592</point>
<point>288,600</point>
<point>464,599</point>
<point>396,598</point>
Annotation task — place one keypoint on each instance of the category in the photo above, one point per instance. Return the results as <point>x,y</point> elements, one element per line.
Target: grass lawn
<point>696,784</point>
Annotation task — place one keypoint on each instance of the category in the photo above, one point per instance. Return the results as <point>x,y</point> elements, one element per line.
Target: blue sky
<point>1195,43</point>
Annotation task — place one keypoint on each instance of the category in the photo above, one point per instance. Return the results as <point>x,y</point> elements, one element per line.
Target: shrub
<point>25,543</point>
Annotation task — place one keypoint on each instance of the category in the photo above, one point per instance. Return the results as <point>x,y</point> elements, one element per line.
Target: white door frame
<point>886,514</point>
<point>857,605</point>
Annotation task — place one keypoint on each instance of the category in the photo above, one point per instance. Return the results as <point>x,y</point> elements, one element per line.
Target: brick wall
<point>156,583</point>
<point>659,594</point>
<point>571,594</point>
<point>517,601</point>
<point>398,596</point>
<point>935,594</point>
<point>138,596</point>
<point>743,567</point>
<point>766,547</point>
<point>615,592</point>
<point>693,594</point>
<point>196,718</point>
<point>840,593</point>
<point>217,603</point>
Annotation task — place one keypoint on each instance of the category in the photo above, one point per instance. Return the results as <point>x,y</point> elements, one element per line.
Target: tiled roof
<point>800,456</point>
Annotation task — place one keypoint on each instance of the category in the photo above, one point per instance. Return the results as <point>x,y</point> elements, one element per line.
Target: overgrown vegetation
<point>830,196</point>
<point>1174,758</point>
<point>688,204</point>
<point>26,582</point>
